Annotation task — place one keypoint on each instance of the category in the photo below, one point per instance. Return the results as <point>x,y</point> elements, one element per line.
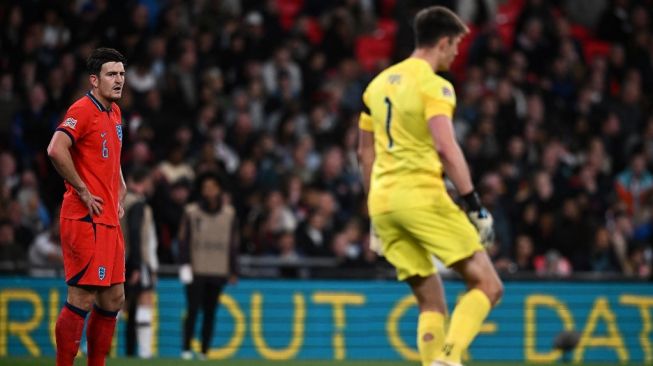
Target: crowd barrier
<point>356,320</point>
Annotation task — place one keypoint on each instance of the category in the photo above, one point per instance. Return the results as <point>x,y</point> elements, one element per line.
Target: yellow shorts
<point>410,238</point>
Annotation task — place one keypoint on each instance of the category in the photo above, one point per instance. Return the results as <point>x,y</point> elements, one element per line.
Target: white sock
<point>144,317</point>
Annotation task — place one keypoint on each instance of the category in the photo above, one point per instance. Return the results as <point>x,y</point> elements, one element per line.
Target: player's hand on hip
<point>94,203</point>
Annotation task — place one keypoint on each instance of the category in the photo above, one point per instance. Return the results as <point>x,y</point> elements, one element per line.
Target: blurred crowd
<point>553,114</point>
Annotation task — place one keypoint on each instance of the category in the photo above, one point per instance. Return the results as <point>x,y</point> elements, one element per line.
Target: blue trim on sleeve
<point>72,138</point>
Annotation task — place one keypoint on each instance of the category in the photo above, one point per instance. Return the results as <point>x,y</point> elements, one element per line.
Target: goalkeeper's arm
<point>457,170</point>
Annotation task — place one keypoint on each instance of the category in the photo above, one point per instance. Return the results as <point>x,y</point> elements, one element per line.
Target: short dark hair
<point>139,174</point>
<point>435,22</point>
<point>209,175</point>
<point>101,56</point>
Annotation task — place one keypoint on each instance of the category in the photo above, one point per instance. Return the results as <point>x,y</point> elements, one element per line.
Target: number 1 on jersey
<point>388,122</point>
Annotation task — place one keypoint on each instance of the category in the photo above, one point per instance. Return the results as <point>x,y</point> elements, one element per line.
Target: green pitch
<point>18,361</point>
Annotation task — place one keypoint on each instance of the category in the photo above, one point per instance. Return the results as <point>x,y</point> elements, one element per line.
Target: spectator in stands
<point>521,260</point>
<point>272,219</point>
<point>280,67</point>
<point>312,237</point>
<point>22,233</point>
<point>524,253</point>
<point>222,151</point>
<point>288,255</point>
<point>573,234</point>
<point>33,126</point>
<point>9,179</point>
<point>491,191</point>
<point>12,254</point>
<point>34,213</point>
<point>347,245</point>
<point>638,264</point>
<point>168,205</point>
<point>554,111</point>
<point>553,264</point>
<point>603,257</point>
<point>9,102</point>
<point>614,24</point>
<point>634,184</point>
<point>45,257</point>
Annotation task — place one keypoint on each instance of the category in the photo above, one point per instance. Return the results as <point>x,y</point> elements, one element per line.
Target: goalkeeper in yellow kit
<point>406,139</point>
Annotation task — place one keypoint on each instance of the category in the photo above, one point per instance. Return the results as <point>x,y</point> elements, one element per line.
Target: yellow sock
<point>466,321</point>
<point>430,335</point>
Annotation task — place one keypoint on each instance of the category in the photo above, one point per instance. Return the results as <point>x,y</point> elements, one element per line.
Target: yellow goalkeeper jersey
<point>407,171</point>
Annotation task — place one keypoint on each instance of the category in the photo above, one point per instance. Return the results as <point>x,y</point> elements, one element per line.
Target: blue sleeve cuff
<point>72,138</point>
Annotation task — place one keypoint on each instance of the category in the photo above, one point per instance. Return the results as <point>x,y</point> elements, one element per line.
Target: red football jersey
<point>96,133</point>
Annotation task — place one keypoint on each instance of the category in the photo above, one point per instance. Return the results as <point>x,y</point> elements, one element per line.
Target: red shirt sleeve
<point>75,123</point>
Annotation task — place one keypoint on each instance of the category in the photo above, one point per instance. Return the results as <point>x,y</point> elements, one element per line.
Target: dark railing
<point>327,268</point>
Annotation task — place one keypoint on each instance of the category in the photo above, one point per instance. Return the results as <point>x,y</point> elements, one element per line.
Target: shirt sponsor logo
<point>101,272</point>
<point>70,122</point>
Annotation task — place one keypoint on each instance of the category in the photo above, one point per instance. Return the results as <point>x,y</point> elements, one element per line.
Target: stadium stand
<point>554,112</point>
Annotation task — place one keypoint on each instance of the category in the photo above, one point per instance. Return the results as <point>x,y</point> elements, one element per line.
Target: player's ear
<point>443,43</point>
<point>94,80</point>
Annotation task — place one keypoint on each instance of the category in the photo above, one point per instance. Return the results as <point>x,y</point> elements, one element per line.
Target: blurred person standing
<point>45,257</point>
<point>85,150</point>
<point>142,263</point>
<point>634,185</point>
<point>32,126</point>
<point>406,143</point>
<point>604,258</point>
<point>12,255</point>
<point>35,215</point>
<point>209,244</point>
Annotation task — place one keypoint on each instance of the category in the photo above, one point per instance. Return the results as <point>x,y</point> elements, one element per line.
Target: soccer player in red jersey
<point>85,150</point>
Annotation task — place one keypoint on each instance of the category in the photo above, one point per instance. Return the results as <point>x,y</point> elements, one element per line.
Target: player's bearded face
<point>111,80</point>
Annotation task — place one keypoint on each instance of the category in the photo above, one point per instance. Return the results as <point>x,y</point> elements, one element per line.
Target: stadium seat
<point>288,10</point>
<point>594,48</point>
<point>377,46</point>
<point>579,32</point>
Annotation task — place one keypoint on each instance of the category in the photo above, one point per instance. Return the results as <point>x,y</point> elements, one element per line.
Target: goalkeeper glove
<point>480,217</point>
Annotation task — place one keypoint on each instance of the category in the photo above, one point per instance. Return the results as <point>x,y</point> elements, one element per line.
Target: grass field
<point>17,361</point>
